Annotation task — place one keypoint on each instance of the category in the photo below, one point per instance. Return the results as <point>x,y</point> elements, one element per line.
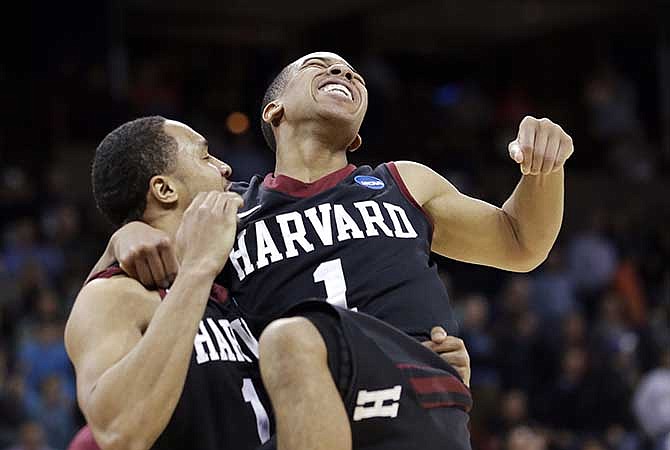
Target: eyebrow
<point>327,61</point>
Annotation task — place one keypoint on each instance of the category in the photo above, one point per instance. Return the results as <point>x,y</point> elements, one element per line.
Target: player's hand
<point>145,254</point>
<point>541,147</point>
<point>207,231</point>
<point>452,350</point>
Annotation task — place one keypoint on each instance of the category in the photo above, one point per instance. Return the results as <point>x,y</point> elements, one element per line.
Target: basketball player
<point>139,380</point>
<point>362,237</point>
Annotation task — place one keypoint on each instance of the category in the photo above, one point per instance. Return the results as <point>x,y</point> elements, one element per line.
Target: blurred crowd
<point>573,356</point>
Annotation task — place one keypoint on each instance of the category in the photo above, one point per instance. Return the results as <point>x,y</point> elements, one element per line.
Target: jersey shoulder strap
<point>114,270</point>
<point>109,272</point>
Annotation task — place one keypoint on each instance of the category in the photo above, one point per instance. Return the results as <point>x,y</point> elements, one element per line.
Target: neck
<point>308,156</point>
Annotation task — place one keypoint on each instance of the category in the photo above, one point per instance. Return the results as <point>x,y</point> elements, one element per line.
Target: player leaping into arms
<point>178,370</point>
<point>318,227</point>
<point>309,228</point>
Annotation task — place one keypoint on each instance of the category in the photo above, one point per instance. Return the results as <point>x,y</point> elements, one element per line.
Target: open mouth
<point>341,90</point>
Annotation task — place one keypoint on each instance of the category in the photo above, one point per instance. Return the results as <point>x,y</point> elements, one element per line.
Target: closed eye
<point>314,64</point>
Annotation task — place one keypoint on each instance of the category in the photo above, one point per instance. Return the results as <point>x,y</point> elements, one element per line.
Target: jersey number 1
<point>332,275</point>
<point>262,421</point>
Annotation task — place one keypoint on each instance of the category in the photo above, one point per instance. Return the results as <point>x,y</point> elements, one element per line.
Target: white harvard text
<point>369,221</point>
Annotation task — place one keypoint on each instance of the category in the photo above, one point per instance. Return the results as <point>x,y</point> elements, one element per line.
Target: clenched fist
<point>541,146</point>
<point>208,229</point>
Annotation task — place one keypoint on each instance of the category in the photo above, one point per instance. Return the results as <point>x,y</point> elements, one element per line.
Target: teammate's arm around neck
<point>144,253</point>
<point>516,237</point>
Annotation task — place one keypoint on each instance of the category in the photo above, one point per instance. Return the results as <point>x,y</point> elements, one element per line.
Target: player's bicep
<point>99,334</point>
<point>471,230</point>
<point>465,228</point>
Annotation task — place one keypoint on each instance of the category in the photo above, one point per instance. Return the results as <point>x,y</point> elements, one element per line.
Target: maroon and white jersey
<point>355,237</point>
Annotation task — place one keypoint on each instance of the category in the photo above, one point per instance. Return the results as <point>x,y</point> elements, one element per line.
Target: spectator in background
<point>592,259</point>
<point>525,438</point>
<point>567,404</point>
<point>31,437</point>
<point>12,410</point>
<point>62,226</point>
<point>43,355</point>
<point>552,294</point>
<point>616,341</point>
<point>516,335</point>
<point>30,281</point>
<point>15,186</point>
<point>10,308</point>
<point>46,307</point>
<point>479,341</point>
<point>53,410</point>
<point>17,193</point>
<point>651,403</point>
<point>512,413</point>
<point>22,248</point>
<point>586,397</point>
<point>612,103</point>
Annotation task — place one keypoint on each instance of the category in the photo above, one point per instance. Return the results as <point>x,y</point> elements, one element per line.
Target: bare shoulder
<point>105,303</point>
<point>423,182</point>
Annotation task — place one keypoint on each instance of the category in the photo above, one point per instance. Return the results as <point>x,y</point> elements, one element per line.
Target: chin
<point>338,114</point>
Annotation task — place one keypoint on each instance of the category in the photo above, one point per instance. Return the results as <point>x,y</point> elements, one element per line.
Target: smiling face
<point>324,87</point>
<point>196,170</point>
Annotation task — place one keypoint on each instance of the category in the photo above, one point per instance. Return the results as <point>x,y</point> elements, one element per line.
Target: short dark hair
<point>124,163</point>
<point>273,92</point>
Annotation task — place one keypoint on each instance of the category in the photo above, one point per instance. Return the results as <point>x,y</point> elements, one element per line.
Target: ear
<point>358,140</point>
<point>273,112</point>
<point>162,188</point>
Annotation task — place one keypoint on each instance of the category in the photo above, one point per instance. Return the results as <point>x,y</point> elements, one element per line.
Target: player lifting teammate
<point>139,380</point>
<point>361,237</point>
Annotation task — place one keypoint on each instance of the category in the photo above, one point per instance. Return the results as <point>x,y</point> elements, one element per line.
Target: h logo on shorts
<point>378,408</point>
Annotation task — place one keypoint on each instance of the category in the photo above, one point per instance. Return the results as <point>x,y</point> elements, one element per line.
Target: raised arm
<point>130,350</point>
<point>519,235</point>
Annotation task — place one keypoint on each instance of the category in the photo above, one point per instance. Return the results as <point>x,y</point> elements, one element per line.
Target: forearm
<point>140,392</point>
<point>535,212</point>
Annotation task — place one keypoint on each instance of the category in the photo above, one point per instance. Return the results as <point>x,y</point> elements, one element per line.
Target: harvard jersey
<point>223,405</point>
<point>398,394</point>
<point>355,237</point>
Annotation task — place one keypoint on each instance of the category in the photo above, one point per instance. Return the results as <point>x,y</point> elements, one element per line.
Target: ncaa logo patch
<point>369,182</point>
